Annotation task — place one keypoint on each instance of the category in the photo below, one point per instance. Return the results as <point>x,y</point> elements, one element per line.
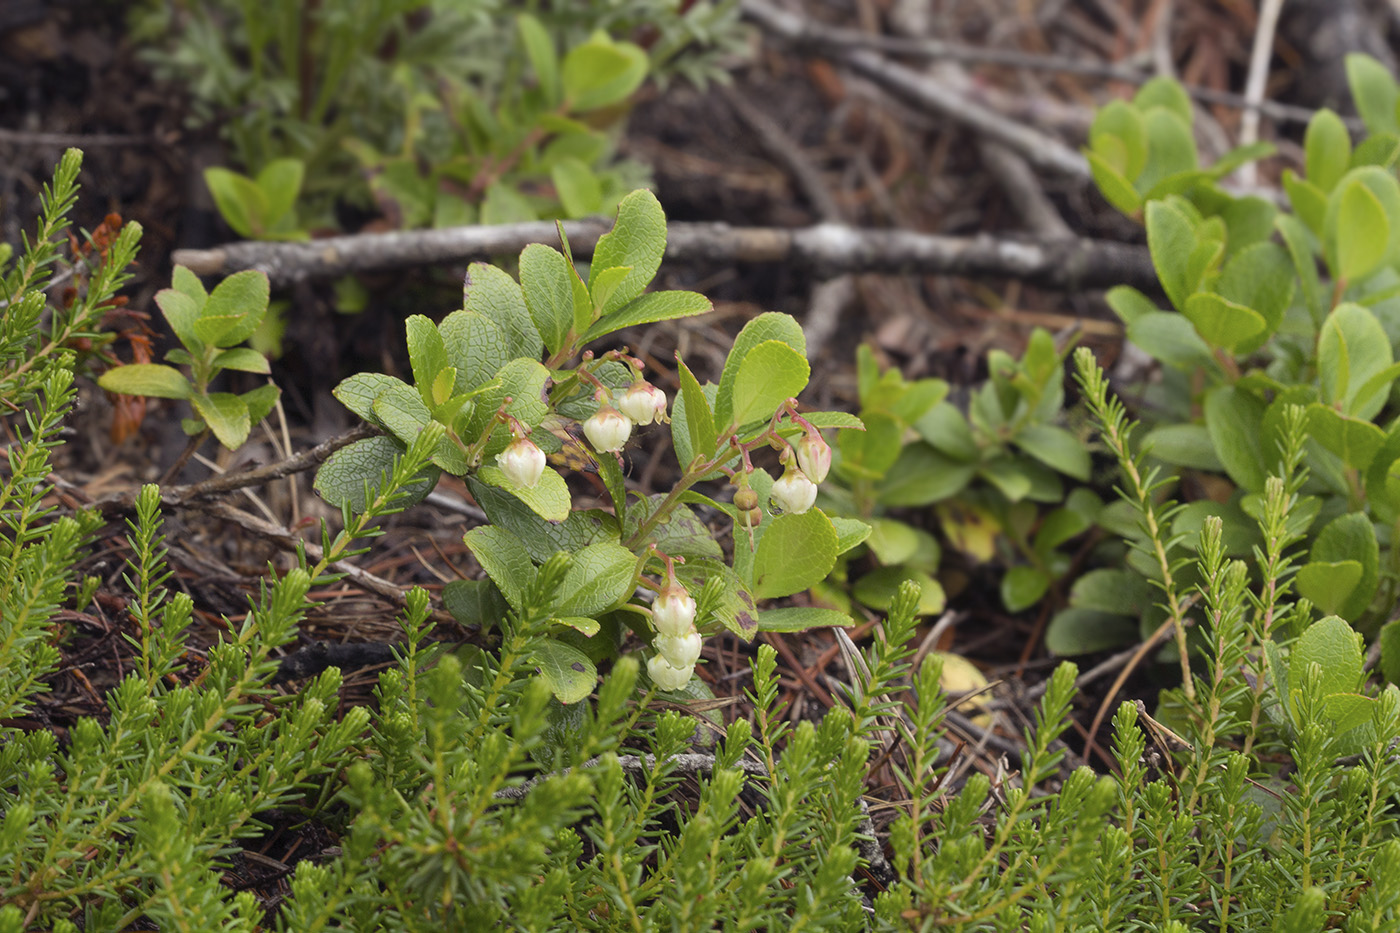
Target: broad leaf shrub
<point>508,382</point>
<point>209,325</point>
<point>1002,478</point>
<point>468,797</point>
<point>1268,308</point>
<point>426,112</point>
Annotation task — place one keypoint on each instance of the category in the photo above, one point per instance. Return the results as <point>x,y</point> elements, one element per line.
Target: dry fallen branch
<point>827,250</point>
<point>1040,150</point>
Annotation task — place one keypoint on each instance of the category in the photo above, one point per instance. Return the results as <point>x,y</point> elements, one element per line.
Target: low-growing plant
<point>432,113</point>
<point>1260,797</point>
<point>209,325</point>
<point>478,374</point>
<point>1254,329</point>
<point>988,473</point>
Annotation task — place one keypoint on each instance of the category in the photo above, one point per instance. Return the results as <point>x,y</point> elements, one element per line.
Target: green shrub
<point>431,112</point>
<point>1260,796</point>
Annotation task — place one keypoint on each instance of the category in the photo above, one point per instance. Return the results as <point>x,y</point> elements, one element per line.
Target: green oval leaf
<point>795,553</point>
<point>149,379</point>
<point>351,477</point>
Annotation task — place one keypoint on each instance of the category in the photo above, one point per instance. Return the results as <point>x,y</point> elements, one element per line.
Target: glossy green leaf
<point>692,421</point>
<point>602,72</point>
<point>280,181</point>
<point>577,185</point>
<point>1308,200</point>
<point>852,531</point>
<point>1112,183</point>
<point>1362,232</point>
<point>1119,592</point>
<point>570,674</point>
<point>545,283</point>
<point>181,311</point>
<point>1170,238</point>
<point>795,553</point>
<point>648,309</point>
<point>1082,631</point>
<point>1118,137</point>
<point>1327,149</point>
<point>601,576</point>
<point>680,534</point>
<point>1165,93</point>
<point>149,379</point>
<point>1056,448</point>
<point>1171,153</point>
<point>1297,240</point>
<point>1233,417</point>
<point>1187,445</point>
<point>474,603</point>
<point>1329,584</point>
<point>1336,648</point>
<point>1352,349</point>
<point>947,431</point>
<point>771,373</point>
<point>426,354</point>
<point>401,411</point>
<point>549,498</point>
<point>922,476</point>
<point>523,381</point>
<point>1390,651</point>
<point>476,347</point>
<point>261,401</point>
<point>891,541</point>
<point>1351,439</point>
<point>358,393</point>
<point>1022,587</point>
<point>243,359</point>
<point>637,241</point>
<point>1222,323</point>
<point>801,619</point>
<point>227,416</point>
<point>877,589</point>
<point>234,310</point>
<point>1374,91</point>
<point>239,199</point>
<point>539,48</point>
<point>1129,303</point>
<point>1351,537</point>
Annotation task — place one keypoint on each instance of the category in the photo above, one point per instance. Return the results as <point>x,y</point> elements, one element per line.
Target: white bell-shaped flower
<point>608,430</point>
<point>523,462</point>
<point>666,675</point>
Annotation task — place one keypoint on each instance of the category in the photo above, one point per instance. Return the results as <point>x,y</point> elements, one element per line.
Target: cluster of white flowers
<point>677,641</point>
<point>807,466</point>
<point>609,428</point>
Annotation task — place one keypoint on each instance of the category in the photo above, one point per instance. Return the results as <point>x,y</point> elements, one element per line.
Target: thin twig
<point>813,35</point>
<point>231,482</point>
<point>290,542</point>
<point>1254,86</point>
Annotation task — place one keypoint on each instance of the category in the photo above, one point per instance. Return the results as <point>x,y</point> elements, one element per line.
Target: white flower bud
<point>607,430</point>
<point>794,492</point>
<point>523,462</point>
<point>644,403</point>
<point>682,651</point>
<point>673,612</point>
<point>814,456</point>
<point>667,676</point>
